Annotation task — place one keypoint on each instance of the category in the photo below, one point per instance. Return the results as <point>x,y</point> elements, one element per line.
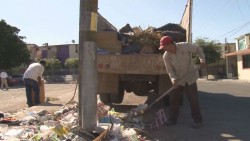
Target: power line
<point>248,4</point>
<point>236,29</point>
<point>238,5</point>
<point>216,5</point>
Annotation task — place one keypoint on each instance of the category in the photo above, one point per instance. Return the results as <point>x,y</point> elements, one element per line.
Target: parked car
<point>16,79</point>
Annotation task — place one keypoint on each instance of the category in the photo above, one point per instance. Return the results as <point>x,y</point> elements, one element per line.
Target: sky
<point>57,21</point>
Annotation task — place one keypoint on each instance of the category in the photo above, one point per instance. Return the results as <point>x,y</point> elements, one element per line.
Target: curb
<point>225,80</point>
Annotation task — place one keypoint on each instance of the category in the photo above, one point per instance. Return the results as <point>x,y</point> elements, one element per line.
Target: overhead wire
<point>238,5</point>
<point>210,13</point>
<point>248,4</point>
<point>215,5</point>
<point>236,29</point>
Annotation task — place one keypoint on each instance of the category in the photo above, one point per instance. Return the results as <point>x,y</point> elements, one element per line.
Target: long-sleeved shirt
<point>180,65</point>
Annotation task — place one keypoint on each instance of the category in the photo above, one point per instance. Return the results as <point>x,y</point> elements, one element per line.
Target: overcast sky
<point>57,21</point>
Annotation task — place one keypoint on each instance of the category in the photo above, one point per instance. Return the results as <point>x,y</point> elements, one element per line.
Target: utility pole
<point>226,51</point>
<point>190,38</point>
<point>87,64</point>
<point>186,20</point>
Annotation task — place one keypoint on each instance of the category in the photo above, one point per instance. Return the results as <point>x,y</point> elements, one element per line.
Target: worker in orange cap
<point>179,64</point>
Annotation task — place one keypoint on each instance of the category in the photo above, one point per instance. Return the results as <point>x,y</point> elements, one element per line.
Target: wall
<point>39,52</point>
<point>33,50</point>
<point>231,66</point>
<point>243,74</point>
<point>247,38</point>
<point>51,51</point>
<point>73,51</point>
<point>62,52</point>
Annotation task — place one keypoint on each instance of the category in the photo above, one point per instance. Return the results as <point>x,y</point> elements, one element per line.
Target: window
<point>241,44</point>
<point>246,61</point>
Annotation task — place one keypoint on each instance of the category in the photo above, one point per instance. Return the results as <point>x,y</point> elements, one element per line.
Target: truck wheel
<point>105,98</point>
<point>117,98</point>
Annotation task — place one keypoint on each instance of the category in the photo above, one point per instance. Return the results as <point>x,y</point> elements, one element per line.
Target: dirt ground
<point>225,108</point>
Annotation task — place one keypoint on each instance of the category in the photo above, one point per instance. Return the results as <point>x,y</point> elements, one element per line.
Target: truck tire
<point>105,98</point>
<point>164,84</point>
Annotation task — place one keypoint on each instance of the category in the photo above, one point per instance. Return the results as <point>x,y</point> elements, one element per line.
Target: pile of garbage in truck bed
<point>136,40</point>
<point>63,125</point>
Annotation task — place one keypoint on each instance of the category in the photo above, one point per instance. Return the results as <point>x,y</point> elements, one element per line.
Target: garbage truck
<point>141,72</point>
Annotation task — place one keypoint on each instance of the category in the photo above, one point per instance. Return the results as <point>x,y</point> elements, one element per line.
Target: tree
<point>210,48</point>
<point>13,50</point>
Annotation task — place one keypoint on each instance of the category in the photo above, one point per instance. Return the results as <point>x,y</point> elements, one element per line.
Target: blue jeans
<point>30,85</point>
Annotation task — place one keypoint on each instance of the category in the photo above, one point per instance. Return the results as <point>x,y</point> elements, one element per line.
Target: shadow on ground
<point>47,103</point>
<point>122,108</point>
<point>226,117</point>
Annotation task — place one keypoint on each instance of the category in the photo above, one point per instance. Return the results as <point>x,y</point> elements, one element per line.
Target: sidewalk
<point>224,80</point>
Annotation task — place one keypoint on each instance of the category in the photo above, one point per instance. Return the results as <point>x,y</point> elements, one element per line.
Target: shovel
<point>140,111</point>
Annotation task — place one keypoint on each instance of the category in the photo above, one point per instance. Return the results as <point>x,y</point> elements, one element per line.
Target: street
<point>224,104</point>
<point>225,108</point>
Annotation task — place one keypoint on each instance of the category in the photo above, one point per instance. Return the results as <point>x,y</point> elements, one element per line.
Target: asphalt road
<point>225,107</point>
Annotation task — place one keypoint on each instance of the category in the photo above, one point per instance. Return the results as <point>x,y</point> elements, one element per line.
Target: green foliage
<point>210,48</point>
<point>53,63</point>
<point>147,38</point>
<point>13,50</point>
<point>71,62</point>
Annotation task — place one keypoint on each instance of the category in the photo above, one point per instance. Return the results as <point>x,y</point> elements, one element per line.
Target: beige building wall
<point>73,51</point>
<point>33,50</point>
<point>243,74</point>
<point>51,51</point>
<point>247,38</point>
<point>39,52</point>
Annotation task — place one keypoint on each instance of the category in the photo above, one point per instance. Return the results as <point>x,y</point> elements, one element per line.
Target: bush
<point>52,64</point>
<point>71,63</point>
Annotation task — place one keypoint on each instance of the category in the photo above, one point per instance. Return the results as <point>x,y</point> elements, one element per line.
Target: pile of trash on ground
<point>63,125</point>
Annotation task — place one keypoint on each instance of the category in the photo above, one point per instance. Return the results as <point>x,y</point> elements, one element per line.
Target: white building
<point>242,55</point>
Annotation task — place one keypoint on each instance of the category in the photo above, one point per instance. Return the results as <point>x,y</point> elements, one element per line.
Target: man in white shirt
<point>32,80</point>
<point>4,82</point>
<point>179,65</point>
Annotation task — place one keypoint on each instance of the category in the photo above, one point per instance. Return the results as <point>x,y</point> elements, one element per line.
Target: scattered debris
<point>63,125</point>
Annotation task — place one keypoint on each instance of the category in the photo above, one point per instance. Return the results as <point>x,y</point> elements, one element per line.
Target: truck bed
<point>151,64</point>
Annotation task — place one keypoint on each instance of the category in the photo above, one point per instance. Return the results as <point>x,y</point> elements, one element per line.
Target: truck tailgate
<point>131,64</point>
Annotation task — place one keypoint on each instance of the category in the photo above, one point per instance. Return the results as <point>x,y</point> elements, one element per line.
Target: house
<point>65,51</point>
<point>61,52</point>
<point>242,57</point>
<point>33,48</point>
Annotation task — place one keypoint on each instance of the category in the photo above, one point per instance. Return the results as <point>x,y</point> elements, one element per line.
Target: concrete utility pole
<point>190,39</point>
<point>87,64</point>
